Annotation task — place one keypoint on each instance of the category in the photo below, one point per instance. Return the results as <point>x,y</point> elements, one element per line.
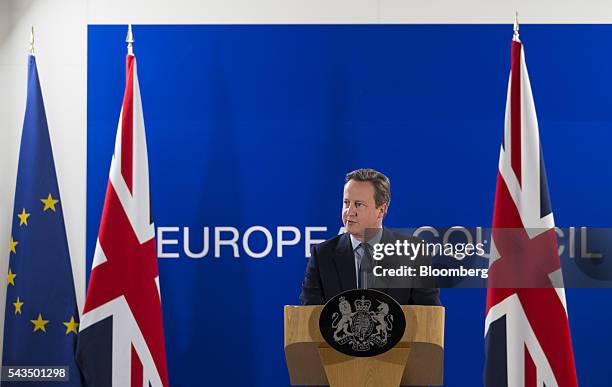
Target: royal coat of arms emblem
<point>365,326</point>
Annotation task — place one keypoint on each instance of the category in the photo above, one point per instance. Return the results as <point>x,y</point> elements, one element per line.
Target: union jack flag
<point>121,341</point>
<point>527,336</point>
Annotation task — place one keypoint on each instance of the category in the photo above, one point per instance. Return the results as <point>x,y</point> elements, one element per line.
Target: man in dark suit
<point>341,263</point>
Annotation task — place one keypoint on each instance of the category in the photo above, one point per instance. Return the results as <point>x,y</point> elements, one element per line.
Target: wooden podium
<point>417,360</point>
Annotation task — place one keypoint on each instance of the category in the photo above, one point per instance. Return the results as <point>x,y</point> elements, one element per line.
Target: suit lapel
<point>385,238</point>
<point>345,263</point>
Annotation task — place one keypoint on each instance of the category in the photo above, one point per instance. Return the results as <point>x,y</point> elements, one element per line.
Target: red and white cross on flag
<point>527,335</point>
<point>121,338</point>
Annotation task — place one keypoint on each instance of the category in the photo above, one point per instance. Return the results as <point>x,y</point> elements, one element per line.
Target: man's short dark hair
<point>382,185</point>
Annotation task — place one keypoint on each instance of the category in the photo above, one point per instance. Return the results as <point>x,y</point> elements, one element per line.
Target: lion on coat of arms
<point>345,322</point>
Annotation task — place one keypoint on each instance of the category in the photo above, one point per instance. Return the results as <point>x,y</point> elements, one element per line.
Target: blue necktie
<point>365,279</point>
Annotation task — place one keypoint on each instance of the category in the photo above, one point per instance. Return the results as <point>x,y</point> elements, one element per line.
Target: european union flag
<point>41,316</point>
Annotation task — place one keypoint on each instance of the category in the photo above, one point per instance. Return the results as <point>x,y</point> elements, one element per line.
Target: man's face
<point>359,211</point>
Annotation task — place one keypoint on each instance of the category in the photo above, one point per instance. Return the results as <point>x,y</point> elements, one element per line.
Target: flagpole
<point>130,40</point>
<point>32,41</point>
<point>516,28</point>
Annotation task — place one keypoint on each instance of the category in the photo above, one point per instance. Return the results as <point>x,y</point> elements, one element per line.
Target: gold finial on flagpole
<point>516,28</point>
<point>32,41</point>
<point>130,40</point>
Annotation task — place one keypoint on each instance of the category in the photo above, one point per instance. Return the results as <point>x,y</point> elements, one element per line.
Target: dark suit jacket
<point>331,270</point>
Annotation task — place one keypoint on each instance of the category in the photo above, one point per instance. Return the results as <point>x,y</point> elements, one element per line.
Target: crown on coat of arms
<point>363,305</point>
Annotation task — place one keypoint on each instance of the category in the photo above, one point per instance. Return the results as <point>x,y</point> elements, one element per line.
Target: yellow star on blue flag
<point>40,270</point>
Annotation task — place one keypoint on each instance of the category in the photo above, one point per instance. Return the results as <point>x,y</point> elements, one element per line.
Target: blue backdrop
<point>257,125</point>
